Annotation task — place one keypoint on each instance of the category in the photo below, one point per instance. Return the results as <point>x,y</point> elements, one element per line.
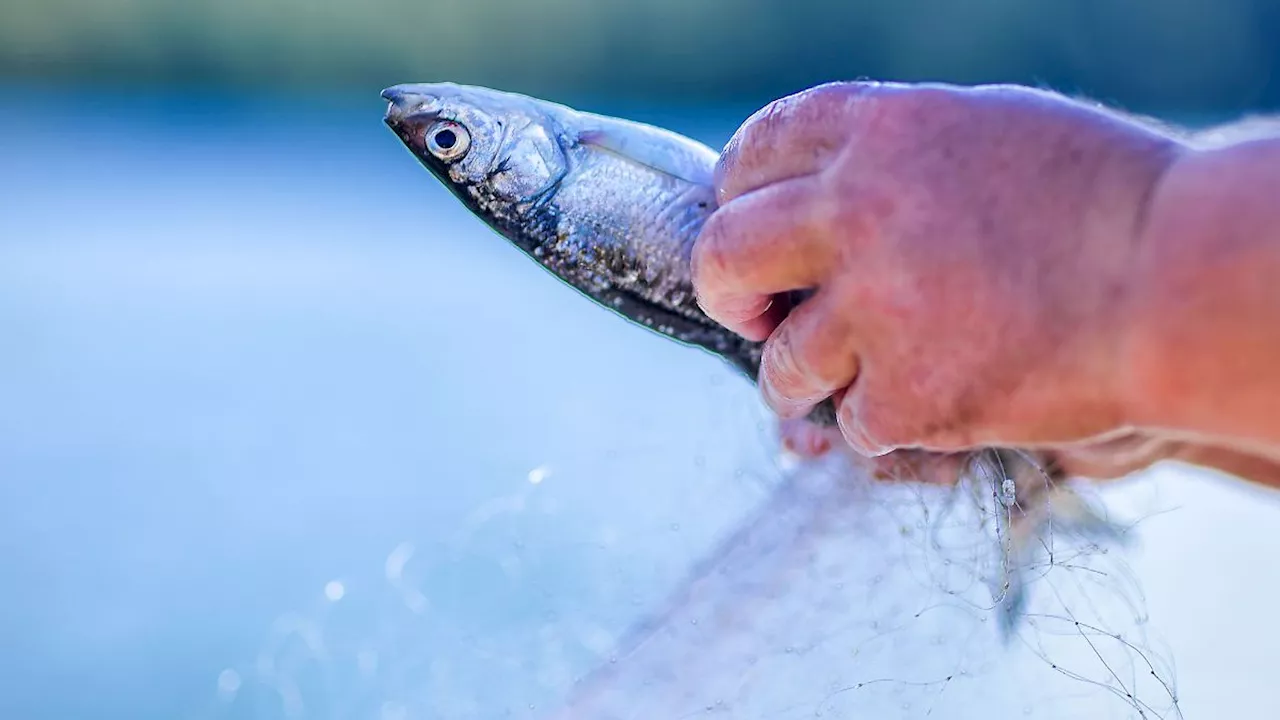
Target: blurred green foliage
<point>1188,56</point>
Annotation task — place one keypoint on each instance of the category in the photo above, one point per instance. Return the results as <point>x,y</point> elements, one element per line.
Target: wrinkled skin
<point>969,250</point>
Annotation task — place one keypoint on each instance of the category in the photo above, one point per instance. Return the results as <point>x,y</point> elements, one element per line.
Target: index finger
<point>770,242</point>
<point>792,136</point>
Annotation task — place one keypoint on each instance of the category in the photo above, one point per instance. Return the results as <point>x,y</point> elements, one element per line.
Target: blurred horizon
<point>1186,57</point>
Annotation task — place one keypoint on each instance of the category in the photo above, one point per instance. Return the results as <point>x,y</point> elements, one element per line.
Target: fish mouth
<point>406,103</point>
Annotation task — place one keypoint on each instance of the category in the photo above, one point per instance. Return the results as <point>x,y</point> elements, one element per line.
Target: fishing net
<point>779,589</point>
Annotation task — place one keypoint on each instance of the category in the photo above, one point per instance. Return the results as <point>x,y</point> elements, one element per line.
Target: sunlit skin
<point>1003,266</point>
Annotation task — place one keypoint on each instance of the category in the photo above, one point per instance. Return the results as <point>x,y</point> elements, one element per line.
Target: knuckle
<point>808,121</point>
<point>727,168</point>
<point>834,95</point>
<point>707,260</point>
<point>929,95</point>
<point>786,368</point>
<point>777,114</point>
<point>896,114</point>
<point>748,150</point>
<point>752,130</point>
<point>863,99</point>
<point>822,331</point>
<point>867,426</point>
<point>822,106</point>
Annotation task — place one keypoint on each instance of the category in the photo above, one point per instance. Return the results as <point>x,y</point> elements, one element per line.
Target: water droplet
<point>334,590</point>
<point>228,684</point>
<point>538,474</point>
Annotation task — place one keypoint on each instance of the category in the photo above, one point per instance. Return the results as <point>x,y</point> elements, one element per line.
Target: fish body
<point>612,207</point>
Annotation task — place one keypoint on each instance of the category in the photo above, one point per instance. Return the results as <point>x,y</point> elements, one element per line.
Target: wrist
<point>1200,345</point>
<point>1122,200</point>
<point>1143,387</point>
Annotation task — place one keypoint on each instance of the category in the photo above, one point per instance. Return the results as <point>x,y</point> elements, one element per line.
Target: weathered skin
<point>612,208</point>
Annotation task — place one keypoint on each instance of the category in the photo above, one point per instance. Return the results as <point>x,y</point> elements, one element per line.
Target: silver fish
<point>613,207</point>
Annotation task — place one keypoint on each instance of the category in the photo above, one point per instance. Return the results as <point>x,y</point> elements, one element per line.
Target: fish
<point>612,207</point>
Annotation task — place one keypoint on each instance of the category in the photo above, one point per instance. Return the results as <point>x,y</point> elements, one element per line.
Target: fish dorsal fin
<point>655,148</point>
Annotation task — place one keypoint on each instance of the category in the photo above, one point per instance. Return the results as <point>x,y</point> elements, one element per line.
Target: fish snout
<point>406,100</point>
<point>393,93</point>
<point>396,94</point>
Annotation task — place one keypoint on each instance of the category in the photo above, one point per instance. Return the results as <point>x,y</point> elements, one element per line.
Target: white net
<point>836,596</point>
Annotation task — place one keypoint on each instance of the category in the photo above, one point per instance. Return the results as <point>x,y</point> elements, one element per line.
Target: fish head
<point>488,146</point>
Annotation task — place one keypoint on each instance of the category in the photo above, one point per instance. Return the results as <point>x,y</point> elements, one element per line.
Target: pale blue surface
<point>251,351</point>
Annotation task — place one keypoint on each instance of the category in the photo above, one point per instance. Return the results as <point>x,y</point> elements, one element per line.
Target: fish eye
<point>448,140</point>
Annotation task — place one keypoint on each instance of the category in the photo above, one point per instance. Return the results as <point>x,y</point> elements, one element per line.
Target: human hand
<point>969,251</point>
